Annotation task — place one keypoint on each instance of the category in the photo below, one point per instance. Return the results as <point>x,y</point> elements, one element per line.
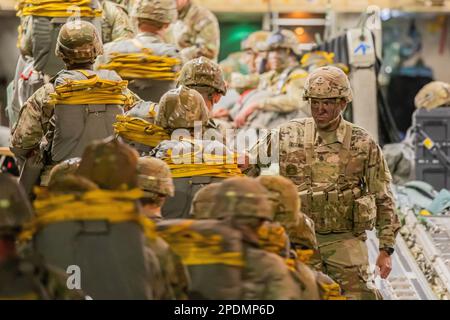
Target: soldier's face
<point>326,111</point>
<point>249,60</point>
<point>277,59</point>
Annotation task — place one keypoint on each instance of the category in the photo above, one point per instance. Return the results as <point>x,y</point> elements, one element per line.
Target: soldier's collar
<point>183,12</point>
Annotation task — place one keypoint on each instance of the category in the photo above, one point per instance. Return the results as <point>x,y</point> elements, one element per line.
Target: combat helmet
<point>203,202</point>
<point>78,42</point>
<point>433,95</point>
<point>327,82</point>
<point>63,179</point>
<point>110,164</point>
<point>242,197</point>
<point>283,39</point>
<point>181,108</point>
<point>154,177</point>
<point>162,11</point>
<point>202,72</point>
<point>255,41</point>
<point>15,209</point>
<point>284,195</point>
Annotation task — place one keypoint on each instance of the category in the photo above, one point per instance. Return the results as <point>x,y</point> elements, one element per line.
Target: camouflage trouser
<point>344,258</point>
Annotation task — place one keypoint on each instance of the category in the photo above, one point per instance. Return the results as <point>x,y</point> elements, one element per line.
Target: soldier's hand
<point>221,112</point>
<point>241,118</point>
<point>384,262</point>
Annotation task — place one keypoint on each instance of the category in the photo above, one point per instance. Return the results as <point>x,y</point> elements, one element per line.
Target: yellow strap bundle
<point>112,206</point>
<point>139,130</point>
<point>198,163</point>
<point>272,237</point>
<point>142,65</point>
<point>331,291</point>
<point>197,249</point>
<point>304,254</point>
<point>57,8</point>
<point>322,57</point>
<point>92,90</point>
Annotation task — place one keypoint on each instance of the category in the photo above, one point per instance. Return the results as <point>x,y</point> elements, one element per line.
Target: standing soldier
<point>196,33</point>
<point>24,278</point>
<point>343,180</point>
<point>283,84</point>
<point>150,64</point>
<point>78,106</point>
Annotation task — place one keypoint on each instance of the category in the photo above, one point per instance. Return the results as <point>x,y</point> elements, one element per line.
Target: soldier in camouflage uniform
<point>246,203</point>
<point>282,86</point>
<point>343,180</point>
<point>146,61</point>
<point>116,256</point>
<point>196,33</point>
<point>180,110</point>
<point>155,180</point>
<point>40,133</point>
<point>205,76</point>
<point>253,57</point>
<point>273,238</point>
<point>37,63</point>
<point>24,277</point>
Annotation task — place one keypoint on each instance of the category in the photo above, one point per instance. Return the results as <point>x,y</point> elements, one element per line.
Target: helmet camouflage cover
<point>433,95</point>
<point>255,41</point>
<point>78,42</point>
<point>163,11</point>
<point>154,177</point>
<point>327,82</point>
<point>242,197</point>
<point>15,209</point>
<point>181,108</point>
<point>202,72</point>
<point>110,164</point>
<point>283,39</point>
<point>63,178</point>
<point>284,194</point>
<point>203,202</point>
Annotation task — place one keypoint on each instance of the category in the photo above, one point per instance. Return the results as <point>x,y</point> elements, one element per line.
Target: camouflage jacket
<point>196,33</point>
<point>23,279</point>
<point>34,119</point>
<point>115,23</point>
<point>174,273</point>
<point>331,186</point>
<point>286,90</point>
<point>267,277</point>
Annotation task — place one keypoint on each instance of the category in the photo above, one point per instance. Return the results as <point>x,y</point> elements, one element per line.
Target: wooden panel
<point>7,4</point>
<point>317,5</point>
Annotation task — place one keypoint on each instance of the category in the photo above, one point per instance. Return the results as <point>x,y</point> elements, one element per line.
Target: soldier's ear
<point>342,104</point>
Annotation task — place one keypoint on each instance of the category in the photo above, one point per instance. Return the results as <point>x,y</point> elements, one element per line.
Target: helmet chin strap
<point>333,122</point>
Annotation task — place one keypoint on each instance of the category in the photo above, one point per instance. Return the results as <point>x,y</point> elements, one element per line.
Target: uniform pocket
<point>364,214</point>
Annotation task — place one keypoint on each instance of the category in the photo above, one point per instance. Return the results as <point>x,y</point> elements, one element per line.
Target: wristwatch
<point>388,250</point>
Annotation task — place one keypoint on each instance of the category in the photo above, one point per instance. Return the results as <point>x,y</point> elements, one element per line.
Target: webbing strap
<point>344,152</point>
<point>309,150</point>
